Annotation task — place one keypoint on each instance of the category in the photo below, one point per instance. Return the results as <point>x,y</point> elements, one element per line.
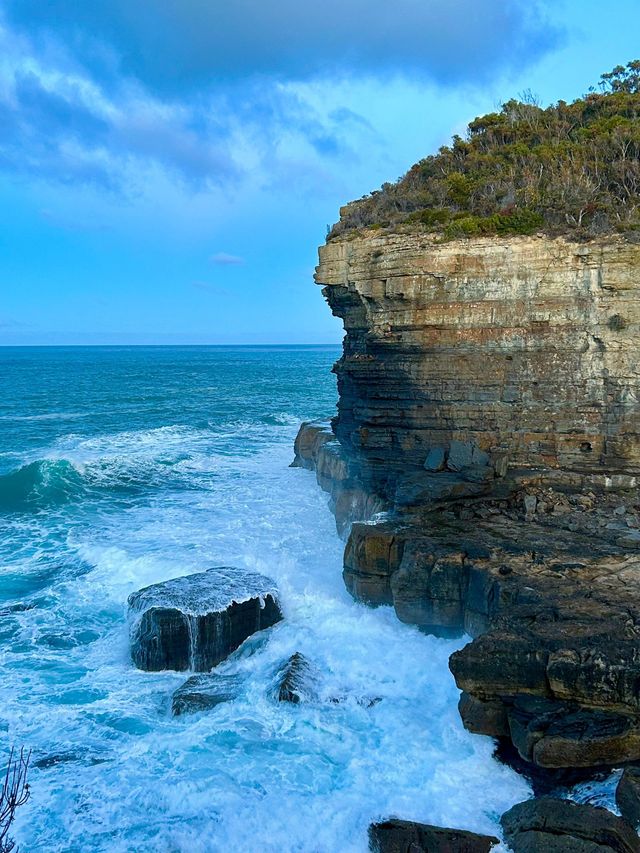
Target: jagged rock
<point>316,448</point>
<point>203,692</point>
<point>428,589</point>
<point>404,836</point>
<point>549,825</point>
<point>195,622</point>
<point>628,795</point>
<point>296,680</point>
<point>372,555</point>
<point>552,617</point>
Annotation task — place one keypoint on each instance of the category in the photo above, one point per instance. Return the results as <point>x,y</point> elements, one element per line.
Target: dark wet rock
<point>372,555</point>
<point>547,780</point>
<point>195,622</point>
<point>484,717</point>
<point>424,487</point>
<point>549,825</point>
<point>535,604</point>
<point>628,795</point>
<point>48,761</point>
<point>561,734</point>
<point>404,836</point>
<point>204,692</point>
<point>436,459</point>
<point>428,589</point>
<point>296,680</point>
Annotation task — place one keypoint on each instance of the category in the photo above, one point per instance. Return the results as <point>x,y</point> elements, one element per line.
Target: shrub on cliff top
<point>570,168</point>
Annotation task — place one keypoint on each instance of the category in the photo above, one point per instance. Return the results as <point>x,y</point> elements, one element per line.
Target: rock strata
<point>195,622</point>
<point>507,346</point>
<point>489,408</point>
<point>403,836</point>
<point>316,448</point>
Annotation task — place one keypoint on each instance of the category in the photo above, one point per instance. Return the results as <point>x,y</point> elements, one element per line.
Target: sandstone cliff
<point>526,347</point>
<point>489,403</point>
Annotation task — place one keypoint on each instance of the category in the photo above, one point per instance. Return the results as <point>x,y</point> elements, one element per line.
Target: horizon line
<point>104,346</point>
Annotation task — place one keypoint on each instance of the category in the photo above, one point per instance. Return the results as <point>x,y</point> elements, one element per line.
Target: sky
<point>168,168</point>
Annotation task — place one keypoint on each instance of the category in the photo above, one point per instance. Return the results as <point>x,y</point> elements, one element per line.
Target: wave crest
<point>42,483</point>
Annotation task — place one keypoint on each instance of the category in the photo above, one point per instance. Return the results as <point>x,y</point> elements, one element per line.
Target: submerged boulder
<point>549,825</point>
<point>195,622</point>
<point>296,680</point>
<point>405,836</point>
<point>203,692</point>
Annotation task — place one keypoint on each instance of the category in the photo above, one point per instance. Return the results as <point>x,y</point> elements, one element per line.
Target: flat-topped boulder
<point>549,825</point>
<point>405,836</point>
<point>205,691</point>
<point>195,622</point>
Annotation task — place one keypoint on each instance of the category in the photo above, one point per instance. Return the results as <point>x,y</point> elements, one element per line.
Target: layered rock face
<point>524,347</point>
<point>489,404</point>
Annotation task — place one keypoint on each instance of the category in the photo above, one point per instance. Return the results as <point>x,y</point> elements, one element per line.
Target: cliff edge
<point>488,404</point>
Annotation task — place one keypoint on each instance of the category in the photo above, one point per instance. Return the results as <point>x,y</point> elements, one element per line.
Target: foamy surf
<point>113,770</point>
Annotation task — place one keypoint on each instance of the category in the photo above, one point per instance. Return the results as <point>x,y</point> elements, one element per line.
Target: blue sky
<point>169,167</point>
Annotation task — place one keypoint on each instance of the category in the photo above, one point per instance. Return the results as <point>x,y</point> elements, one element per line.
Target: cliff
<point>526,347</point>
<point>489,404</point>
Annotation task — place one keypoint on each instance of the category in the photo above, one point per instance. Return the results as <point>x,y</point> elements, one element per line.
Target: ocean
<point>123,466</point>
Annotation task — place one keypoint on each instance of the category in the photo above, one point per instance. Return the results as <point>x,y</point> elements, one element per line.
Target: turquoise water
<point>120,467</point>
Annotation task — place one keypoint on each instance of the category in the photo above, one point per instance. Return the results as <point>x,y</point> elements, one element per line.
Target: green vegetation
<point>568,169</point>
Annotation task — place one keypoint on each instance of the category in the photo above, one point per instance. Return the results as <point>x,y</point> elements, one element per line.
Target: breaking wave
<point>45,482</point>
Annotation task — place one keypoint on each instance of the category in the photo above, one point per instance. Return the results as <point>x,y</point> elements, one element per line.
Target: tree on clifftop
<point>569,169</point>
<point>622,78</point>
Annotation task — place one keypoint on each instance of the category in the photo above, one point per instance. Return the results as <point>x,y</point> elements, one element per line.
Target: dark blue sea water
<point>120,467</point>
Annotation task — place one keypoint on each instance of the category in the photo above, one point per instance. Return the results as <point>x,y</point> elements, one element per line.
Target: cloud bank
<point>111,92</point>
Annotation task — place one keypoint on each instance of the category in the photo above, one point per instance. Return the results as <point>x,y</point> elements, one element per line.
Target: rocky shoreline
<point>483,468</point>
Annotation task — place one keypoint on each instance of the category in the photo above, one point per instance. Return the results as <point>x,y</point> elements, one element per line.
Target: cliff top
<point>572,168</point>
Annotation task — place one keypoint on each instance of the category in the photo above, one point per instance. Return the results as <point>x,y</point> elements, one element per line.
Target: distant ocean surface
<point>120,467</point>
